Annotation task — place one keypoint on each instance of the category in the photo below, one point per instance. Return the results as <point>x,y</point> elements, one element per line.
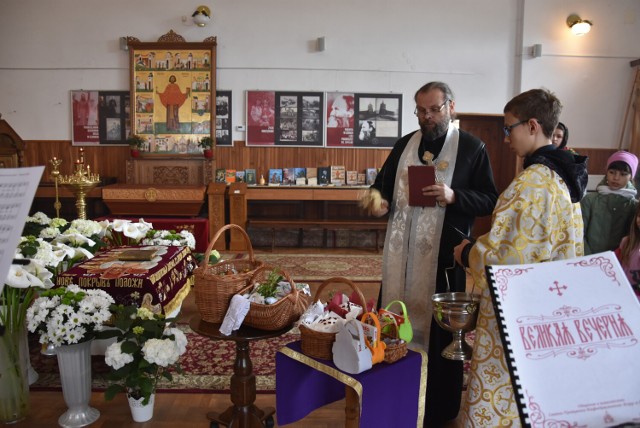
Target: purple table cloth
<point>391,395</point>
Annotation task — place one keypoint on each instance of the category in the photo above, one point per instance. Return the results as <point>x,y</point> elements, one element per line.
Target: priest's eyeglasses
<point>421,112</point>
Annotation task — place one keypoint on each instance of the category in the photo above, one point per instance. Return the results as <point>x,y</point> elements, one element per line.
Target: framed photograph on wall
<point>223,119</point>
<point>378,120</point>
<point>100,117</point>
<point>340,119</point>
<point>173,88</point>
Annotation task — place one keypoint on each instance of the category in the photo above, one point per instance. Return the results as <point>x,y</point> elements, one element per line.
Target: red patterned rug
<point>317,267</point>
<point>207,365</point>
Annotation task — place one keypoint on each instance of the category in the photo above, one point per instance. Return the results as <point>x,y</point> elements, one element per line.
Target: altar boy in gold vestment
<point>537,219</point>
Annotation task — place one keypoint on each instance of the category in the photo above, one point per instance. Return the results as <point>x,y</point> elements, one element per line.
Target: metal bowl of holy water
<point>456,313</point>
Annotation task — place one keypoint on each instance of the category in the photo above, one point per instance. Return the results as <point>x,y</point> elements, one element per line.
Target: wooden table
<point>243,413</point>
<point>239,194</point>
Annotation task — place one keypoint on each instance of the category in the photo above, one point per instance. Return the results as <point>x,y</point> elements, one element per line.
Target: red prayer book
<point>421,176</point>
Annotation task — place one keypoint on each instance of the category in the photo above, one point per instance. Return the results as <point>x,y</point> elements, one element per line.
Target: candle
<point>54,158</point>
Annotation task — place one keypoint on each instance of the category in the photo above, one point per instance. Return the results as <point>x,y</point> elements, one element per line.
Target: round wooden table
<point>243,413</point>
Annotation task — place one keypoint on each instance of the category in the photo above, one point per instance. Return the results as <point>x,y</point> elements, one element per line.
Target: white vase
<point>74,362</point>
<point>141,412</point>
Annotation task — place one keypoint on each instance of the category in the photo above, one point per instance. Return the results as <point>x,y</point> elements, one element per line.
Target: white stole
<point>412,242</point>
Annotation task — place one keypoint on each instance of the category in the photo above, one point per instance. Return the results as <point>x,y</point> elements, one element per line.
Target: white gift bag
<point>350,354</point>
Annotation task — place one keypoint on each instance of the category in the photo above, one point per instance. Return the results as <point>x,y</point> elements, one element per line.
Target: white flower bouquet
<point>69,315</point>
<point>170,238</point>
<point>146,349</point>
<point>125,232</point>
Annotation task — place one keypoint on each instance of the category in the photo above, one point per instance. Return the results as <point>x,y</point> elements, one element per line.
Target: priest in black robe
<point>418,249</point>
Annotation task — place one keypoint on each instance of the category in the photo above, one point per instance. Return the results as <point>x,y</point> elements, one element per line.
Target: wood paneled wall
<point>110,161</point>
<point>106,161</point>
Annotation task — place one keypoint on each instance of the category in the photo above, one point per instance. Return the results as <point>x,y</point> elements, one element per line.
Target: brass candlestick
<point>55,162</point>
<point>80,183</point>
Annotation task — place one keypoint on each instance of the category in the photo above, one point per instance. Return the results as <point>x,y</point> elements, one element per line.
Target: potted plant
<point>69,318</point>
<point>146,348</point>
<point>206,144</point>
<point>136,142</point>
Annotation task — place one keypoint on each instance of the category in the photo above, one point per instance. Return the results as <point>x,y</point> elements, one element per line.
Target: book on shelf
<point>571,334</point>
<point>312,172</point>
<point>240,176</point>
<point>372,173</point>
<point>288,176</point>
<point>275,176</point>
<point>362,179</point>
<point>313,181</point>
<point>338,175</point>
<point>352,178</point>
<point>230,176</point>
<point>300,175</point>
<point>324,175</point>
<point>221,173</point>
<point>421,176</point>
<point>250,176</point>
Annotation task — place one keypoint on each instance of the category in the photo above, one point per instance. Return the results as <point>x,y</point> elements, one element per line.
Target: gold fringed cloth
<point>159,284</point>
<point>390,395</point>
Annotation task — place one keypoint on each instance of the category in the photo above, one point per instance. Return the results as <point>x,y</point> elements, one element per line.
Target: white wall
<point>48,48</point>
<point>590,74</point>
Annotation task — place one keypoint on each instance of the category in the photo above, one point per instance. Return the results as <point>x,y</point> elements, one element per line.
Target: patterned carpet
<point>316,267</point>
<point>207,365</point>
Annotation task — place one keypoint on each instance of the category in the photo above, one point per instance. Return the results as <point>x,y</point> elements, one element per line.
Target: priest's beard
<point>432,128</point>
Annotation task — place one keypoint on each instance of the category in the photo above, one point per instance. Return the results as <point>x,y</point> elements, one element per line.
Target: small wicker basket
<point>214,286</point>
<point>282,313</point>
<point>319,344</point>
<point>393,352</point>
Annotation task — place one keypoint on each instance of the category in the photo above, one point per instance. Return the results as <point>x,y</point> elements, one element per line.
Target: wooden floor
<point>178,409</point>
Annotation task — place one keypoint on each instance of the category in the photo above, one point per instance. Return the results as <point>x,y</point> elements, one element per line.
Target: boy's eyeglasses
<point>507,129</point>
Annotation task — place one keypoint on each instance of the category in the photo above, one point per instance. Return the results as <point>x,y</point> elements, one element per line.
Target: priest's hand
<point>444,194</point>
<point>382,210</point>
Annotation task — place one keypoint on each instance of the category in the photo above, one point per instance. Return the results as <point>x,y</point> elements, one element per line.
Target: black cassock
<point>476,196</point>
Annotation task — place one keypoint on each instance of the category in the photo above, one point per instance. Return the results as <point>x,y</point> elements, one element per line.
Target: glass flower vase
<point>14,378</point>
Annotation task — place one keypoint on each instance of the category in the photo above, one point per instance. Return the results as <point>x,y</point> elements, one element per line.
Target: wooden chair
<point>11,146</point>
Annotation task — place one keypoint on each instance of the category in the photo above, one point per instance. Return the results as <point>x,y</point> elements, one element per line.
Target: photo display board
<point>285,118</point>
<point>100,117</point>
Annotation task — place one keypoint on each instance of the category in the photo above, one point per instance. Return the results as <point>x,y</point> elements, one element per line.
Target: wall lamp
<point>201,16</point>
<point>578,26</point>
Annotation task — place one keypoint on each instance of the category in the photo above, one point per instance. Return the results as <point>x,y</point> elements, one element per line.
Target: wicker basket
<point>392,353</point>
<point>282,313</point>
<point>214,287</point>
<point>319,344</point>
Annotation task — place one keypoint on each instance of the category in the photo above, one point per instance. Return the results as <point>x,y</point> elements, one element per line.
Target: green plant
<point>135,141</point>
<point>146,349</point>
<point>270,286</point>
<point>205,143</point>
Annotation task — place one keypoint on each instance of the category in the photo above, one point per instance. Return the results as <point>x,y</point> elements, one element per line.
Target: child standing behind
<point>607,213</point>
<point>629,253</point>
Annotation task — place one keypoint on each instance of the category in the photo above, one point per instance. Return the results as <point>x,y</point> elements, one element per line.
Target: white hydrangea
<point>39,218</point>
<point>58,222</point>
<point>162,352</point>
<point>114,357</point>
<point>49,232</point>
<point>86,227</point>
<point>180,338</point>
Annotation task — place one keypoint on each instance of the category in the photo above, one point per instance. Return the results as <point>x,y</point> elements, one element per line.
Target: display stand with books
<point>571,333</point>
